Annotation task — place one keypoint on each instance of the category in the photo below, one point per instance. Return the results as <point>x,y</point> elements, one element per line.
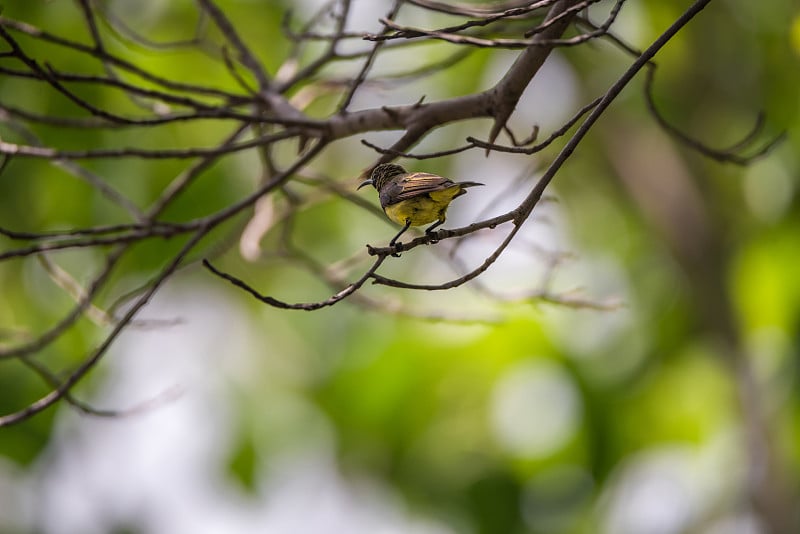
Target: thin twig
<point>732,154</point>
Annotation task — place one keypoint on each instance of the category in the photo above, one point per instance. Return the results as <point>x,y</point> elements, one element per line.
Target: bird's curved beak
<point>365,182</point>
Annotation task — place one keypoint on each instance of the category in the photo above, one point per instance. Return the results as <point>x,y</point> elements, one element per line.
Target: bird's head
<point>382,174</point>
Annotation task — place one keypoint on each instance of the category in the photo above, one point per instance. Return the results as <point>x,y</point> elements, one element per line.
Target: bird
<point>414,198</point>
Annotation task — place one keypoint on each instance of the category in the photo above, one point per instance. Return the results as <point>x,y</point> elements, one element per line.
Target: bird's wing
<point>420,183</point>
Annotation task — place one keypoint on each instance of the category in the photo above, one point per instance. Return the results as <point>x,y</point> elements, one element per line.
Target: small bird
<point>414,198</point>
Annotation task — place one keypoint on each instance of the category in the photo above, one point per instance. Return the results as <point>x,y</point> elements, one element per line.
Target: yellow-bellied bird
<point>414,198</point>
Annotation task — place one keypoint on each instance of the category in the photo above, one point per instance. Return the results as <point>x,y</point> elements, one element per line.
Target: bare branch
<point>245,55</point>
<point>115,61</point>
<point>176,153</point>
<point>362,74</point>
<point>732,154</point>
<point>306,306</point>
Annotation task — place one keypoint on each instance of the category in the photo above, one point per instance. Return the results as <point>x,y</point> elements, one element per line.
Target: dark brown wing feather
<point>415,184</point>
<point>420,183</point>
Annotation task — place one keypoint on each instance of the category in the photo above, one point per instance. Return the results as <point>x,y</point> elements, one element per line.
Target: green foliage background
<point>414,404</point>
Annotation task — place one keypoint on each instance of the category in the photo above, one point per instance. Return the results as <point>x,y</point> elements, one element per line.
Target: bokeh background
<point>493,411</point>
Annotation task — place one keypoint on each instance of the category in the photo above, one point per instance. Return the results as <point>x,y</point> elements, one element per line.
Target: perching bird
<point>414,198</point>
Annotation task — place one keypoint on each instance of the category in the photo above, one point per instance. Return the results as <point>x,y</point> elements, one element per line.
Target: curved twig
<point>732,154</point>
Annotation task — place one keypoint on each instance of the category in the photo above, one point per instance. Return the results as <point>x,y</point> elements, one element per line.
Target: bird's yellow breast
<point>423,209</point>
<point>420,210</point>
